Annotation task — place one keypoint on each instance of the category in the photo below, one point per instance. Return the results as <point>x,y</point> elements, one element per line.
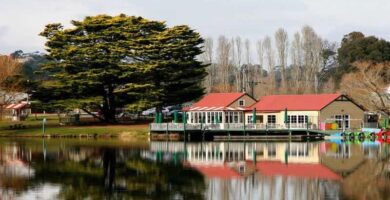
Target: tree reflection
<point>109,164</point>
<point>109,173</point>
<point>370,180</point>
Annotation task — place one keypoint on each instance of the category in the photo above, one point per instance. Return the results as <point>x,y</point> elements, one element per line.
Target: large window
<point>342,119</point>
<point>235,117</point>
<point>293,119</point>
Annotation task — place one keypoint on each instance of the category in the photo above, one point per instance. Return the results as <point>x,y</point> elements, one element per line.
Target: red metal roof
<point>16,106</point>
<point>210,171</point>
<point>294,102</point>
<point>216,100</point>
<point>298,170</point>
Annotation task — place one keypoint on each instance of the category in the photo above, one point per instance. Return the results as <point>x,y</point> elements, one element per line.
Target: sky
<point>22,20</point>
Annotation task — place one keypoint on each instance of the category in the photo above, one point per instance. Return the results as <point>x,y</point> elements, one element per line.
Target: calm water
<point>89,169</point>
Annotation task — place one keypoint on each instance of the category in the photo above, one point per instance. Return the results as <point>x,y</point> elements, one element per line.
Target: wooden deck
<point>229,127</point>
<point>236,132</point>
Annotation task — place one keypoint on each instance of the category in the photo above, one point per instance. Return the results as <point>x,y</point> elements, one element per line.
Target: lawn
<point>32,127</point>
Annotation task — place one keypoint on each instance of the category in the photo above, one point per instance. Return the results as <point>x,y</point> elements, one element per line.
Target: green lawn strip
<point>34,128</point>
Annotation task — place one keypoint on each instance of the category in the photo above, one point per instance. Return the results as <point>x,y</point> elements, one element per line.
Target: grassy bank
<point>32,127</point>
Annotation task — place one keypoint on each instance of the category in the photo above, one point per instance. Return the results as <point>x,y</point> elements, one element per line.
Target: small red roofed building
<point>17,111</point>
<point>219,108</point>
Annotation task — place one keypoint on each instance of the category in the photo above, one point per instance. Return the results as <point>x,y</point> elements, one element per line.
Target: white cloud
<point>25,19</point>
<point>22,20</point>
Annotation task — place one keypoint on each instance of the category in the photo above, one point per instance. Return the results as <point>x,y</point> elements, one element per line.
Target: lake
<point>112,169</point>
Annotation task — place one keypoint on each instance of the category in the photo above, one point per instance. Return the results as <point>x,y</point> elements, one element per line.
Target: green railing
<point>229,126</point>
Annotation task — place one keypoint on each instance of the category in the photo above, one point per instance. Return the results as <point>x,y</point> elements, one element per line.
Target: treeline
<point>273,65</point>
<point>302,63</point>
<point>105,62</point>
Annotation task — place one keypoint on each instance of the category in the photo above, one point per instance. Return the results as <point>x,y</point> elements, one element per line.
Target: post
<point>244,126</point>
<point>167,131</point>
<point>254,116</point>
<point>184,125</point>
<point>175,116</point>
<point>287,123</point>
<point>43,126</point>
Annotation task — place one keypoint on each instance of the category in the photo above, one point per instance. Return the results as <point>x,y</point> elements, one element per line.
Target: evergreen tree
<point>355,46</point>
<point>107,62</point>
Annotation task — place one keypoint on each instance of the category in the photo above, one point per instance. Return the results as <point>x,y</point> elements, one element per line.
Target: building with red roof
<point>17,111</point>
<point>304,110</point>
<point>219,108</point>
<point>313,111</point>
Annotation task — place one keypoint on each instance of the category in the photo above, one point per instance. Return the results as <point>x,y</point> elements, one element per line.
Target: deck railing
<point>228,126</point>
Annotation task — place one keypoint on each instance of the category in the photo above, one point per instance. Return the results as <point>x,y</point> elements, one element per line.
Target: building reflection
<point>258,170</point>
<point>255,170</point>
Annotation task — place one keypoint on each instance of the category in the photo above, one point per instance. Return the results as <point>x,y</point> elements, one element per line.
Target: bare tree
<point>281,41</point>
<point>224,63</point>
<point>269,57</point>
<point>260,56</point>
<point>312,48</point>
<point>247,72</point>
<point>297,64</point>
<point>248,51</point>
<point>207,57</point>
<point>329,86</point>
<point>258,72</point>
<point>9,84</point>
<point>238,62</point>
<point>368,85</point>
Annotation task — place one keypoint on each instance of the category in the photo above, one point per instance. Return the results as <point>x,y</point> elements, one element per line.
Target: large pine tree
<point>106,62</point>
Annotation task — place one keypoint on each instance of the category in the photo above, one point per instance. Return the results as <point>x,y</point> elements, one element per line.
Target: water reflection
<point>65,169</point>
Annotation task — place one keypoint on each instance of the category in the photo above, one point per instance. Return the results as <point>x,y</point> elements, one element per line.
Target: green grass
<point>33,127</point>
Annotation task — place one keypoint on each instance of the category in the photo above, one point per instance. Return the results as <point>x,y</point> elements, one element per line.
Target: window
<point>342,119</point>
<point>249,119</point>
<point>195,117</point>
<point>271,119</point>
<point>227,117</point>
<point>301,119</point>
<point>241,103</point>
<point>259,119</point>
<point>293,119</point>
<point>235,117</point>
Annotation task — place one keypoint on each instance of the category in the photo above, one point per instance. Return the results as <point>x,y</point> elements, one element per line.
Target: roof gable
<point>295,102</point>
<point>218,99</point>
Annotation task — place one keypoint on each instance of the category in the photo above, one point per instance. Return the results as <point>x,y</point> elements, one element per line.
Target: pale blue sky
<point>22,20</point>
